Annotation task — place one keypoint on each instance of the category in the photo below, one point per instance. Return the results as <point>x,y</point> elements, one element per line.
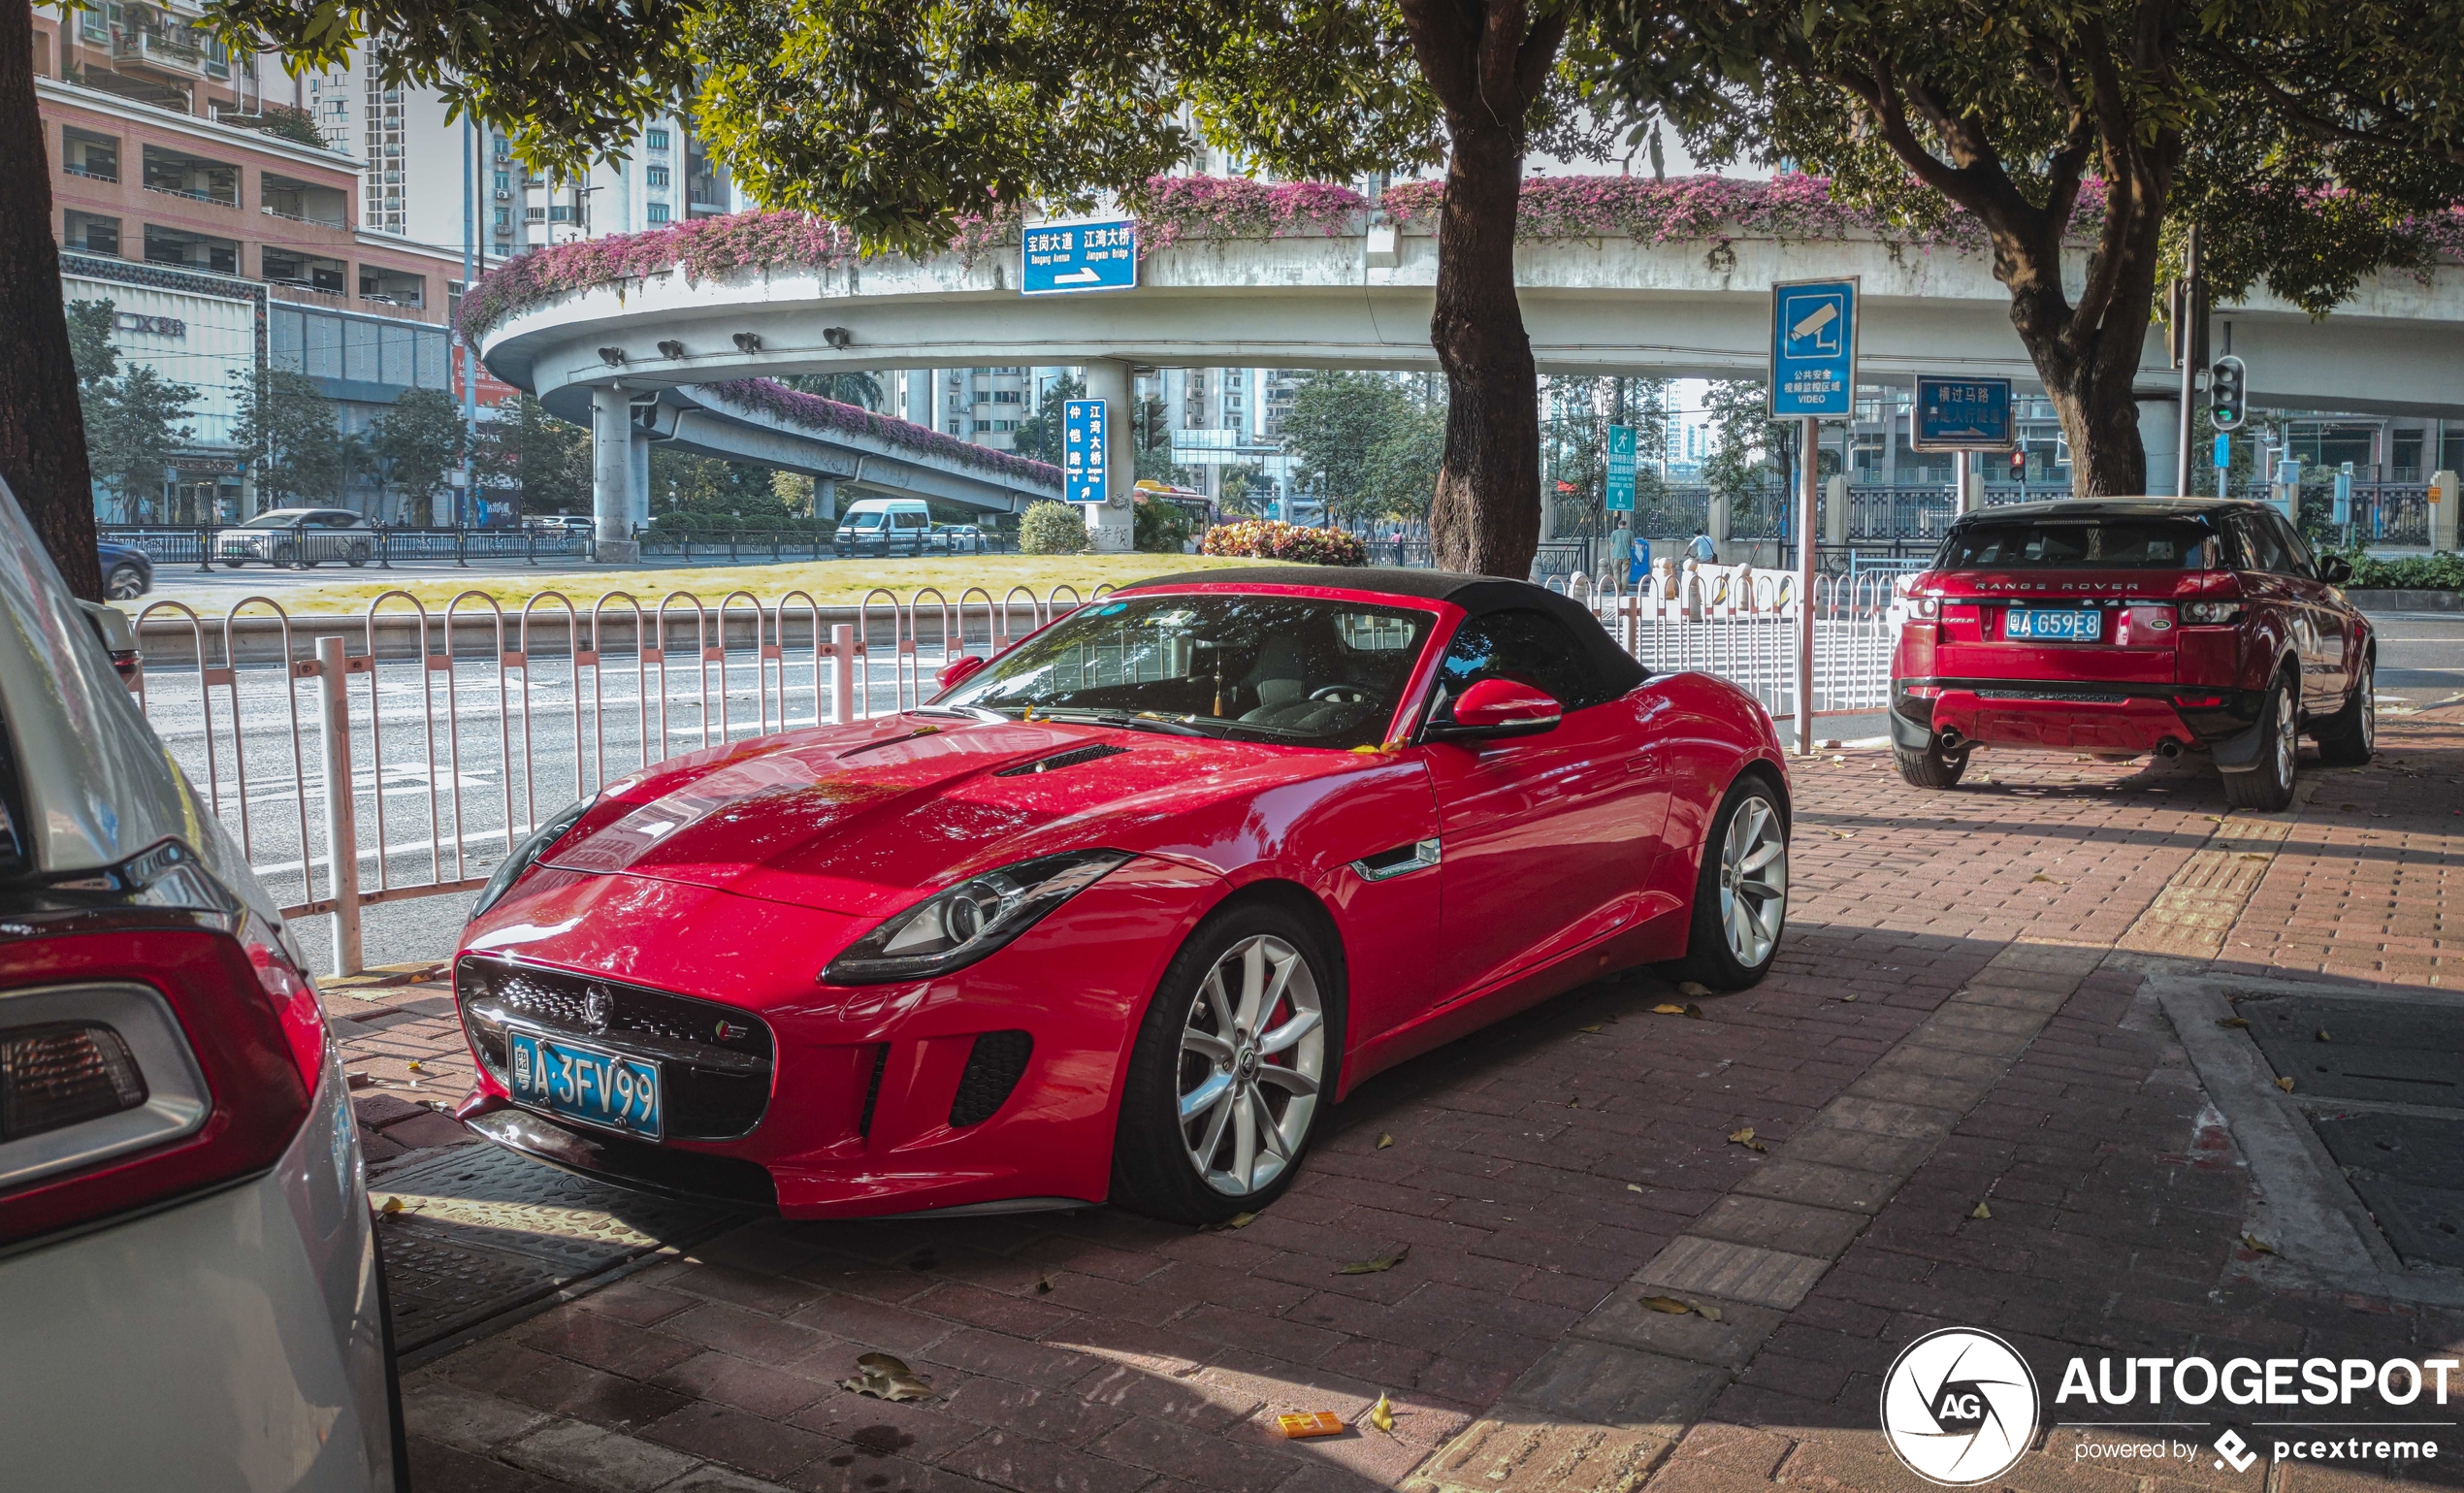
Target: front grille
<point>713,1060</point>
<point>994,1069</point>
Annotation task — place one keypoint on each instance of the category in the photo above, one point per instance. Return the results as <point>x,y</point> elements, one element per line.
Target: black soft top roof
<point>2085,508</point>
<point>1477,595</point>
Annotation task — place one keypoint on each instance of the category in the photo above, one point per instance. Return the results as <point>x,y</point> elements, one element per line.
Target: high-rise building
<point>223,223</point>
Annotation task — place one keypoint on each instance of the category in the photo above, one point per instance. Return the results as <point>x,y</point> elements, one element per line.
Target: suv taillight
<point>155,1041</point>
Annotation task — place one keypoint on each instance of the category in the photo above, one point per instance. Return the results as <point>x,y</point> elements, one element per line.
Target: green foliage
<point>703,492</point>
<point>1401,475</point>
<point>529,457</point>
<point>1038,437</point>
<point>131,431</point>
<point>1158,526</point>
<point>1242,489</point>
<point>2441,571</point>
<point>90,344</point>
<point>1050,528</point>
<point>857,388</point>
<point>282,123</point>
<point>1746,446</point>
<point>416,442</point>
<point>1336,419</point>
<point>289,430</point>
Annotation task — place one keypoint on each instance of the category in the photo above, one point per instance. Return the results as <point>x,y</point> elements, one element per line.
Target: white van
<point>884,526</point>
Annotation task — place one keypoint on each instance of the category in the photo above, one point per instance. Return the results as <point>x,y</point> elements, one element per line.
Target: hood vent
<point>1072,757</point>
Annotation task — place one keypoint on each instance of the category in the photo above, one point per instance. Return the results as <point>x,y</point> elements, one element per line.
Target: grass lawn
<point>829,582</point>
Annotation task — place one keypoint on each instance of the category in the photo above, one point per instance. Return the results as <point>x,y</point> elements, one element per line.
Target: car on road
<point>1118,913</point>
<point>299,539</point>
<point>2125,626</point>
<point>188,1270</point>
<point>959,540</point>
<point>884,526</point>
<point>128,571</point>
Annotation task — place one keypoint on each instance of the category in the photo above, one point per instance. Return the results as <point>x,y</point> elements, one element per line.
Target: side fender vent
<point>994,1069</point>
<point>872,1090</point>
<point>1072,757</point>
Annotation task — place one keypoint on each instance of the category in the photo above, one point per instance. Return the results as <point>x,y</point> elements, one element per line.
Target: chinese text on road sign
<point>1082,473</point>
<point>1060,258</point>
<point>1814,350</point>
<point>1963,414</point>
<point>1621,468</point>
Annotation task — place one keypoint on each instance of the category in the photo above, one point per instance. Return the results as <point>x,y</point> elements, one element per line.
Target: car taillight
<point>2210,613</point>
<point>155,1040</point>
<point>2199,702</point>
<point>1924,609</point>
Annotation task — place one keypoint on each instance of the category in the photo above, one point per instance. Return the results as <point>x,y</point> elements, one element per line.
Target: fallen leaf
<point>2257,1246</point>
<point>2284,1083</point>
<point>1377,1266</point>
<point>393,1206</point>
<point>1841,834</point>
<point>1850,995</point>
<point>1043,1286</point>
<point>2322,1034</point>
<point>885,1378</point>
<point>1839,760</point>
<point>1573,1103</point>
<point>1665,1009</point>
<point>1694,1011</point>
<point>1745,1138</point>
<point>1385,1140</point>
<point>1678,1306</point>
<point>2041,876</point>
<point>1594,1026</point>
<point>1691,987</point>
<point>1237,1220</point>
<point>2213,819</point>
<point>1383,1414</point>
<point>1982,1212</point>
<point>416,1066</point>
<point>1631,1187</point>
<point>2242,1022</point>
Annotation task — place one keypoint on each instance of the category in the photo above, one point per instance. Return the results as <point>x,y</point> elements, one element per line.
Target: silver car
<point>190,1294</point>
<point>296,539</point>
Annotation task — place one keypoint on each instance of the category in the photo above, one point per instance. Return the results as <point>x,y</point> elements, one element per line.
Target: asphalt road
<point>2421,657</point>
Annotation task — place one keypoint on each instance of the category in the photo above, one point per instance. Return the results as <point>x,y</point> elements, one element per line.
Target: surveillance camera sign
<point>1814,350</point>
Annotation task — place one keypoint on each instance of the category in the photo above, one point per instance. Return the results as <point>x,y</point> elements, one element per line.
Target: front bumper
<point>993,1085</point>
<point>2071,715</point>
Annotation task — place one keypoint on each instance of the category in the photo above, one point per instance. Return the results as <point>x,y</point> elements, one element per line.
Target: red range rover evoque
<point>2127,625</point>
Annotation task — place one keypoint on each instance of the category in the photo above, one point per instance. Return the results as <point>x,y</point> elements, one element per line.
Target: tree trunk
<point>2089,360</point>
<point>42,430</point>
<point>1485,519</point>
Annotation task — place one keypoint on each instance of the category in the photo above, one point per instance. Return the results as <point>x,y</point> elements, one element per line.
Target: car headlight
<point>953,929</point>
<point>525,856</point>
<point>2209,613</point>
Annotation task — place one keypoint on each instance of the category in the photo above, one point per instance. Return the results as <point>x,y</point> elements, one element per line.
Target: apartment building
<point>224,239</point>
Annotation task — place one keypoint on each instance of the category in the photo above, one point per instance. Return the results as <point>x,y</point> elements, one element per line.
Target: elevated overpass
<point>1355,290</point>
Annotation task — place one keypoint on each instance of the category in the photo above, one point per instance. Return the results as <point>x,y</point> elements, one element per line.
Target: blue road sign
<point>2223,453</point>
<point>1083,476</point>
<point>1060,259</point>
<point>1814,350</point>
<point>2344,494</point>
<point>1621,468</point>
<point>1963,414</point>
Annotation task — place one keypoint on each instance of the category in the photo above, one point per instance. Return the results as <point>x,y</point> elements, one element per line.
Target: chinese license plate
<point>2027,624</point>
<point>584,1083</point>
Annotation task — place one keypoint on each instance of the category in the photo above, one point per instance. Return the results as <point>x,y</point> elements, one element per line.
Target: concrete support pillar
<point>1835,509</point>
<point>612,474</point>
<point>1718,525</point>
<point>2160,436</point>
<point>1111,526</point>
<point>826,497</point>
<point>2446,499</point>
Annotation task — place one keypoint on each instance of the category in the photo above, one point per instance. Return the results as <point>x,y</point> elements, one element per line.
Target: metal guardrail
<point>775,545</point>
<point>440,739</point>
<point>205,545</point>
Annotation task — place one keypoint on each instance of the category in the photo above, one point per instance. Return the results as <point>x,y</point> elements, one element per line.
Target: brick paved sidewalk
<point>1955,1020</point>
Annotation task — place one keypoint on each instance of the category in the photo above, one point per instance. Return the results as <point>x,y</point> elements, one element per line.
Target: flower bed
<point>1270,538</point>
<point>793,407</point>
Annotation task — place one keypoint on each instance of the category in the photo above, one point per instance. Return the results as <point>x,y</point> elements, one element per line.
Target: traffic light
<point>2228,382</point>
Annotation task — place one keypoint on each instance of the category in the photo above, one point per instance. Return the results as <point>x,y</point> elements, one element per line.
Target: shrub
<point>1161,527</point>
<point>2441,571</point>
<point>1049,528</point>
<point>1269,539</point>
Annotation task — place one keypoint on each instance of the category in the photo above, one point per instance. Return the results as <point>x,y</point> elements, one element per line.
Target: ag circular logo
<point>1959,1406</point>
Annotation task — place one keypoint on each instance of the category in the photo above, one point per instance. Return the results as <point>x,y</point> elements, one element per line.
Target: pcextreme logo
<point>1959,1406</point>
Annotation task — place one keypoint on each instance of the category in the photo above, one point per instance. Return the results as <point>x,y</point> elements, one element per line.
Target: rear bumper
<point>2072,715</point>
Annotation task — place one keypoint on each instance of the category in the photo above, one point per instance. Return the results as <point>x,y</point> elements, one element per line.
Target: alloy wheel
<point>2369,708</point>
<point>1252,1052</point>
<point>1752,882</point>
<point>2287,738</point>
<point>127,584</point>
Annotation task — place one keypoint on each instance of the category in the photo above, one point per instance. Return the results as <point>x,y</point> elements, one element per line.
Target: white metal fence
<point>402,753</point>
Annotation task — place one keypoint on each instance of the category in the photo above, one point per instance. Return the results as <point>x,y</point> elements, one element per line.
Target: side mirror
<point>959,671</point>
<point>2335,570</point>
<point>1494,709</point>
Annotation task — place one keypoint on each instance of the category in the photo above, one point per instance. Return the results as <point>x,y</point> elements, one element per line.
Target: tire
<point>233,564</point>
<point>2351,736</point>
<point>360,555</point>
<point>1179,1053</point>
<point>2269,786</point>
<point>125,583</point>
<point>1738,923</point>
<point>1932,767</point>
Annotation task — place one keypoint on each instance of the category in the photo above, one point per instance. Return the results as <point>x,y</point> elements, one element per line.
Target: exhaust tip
<point>2169,749</point>
<point>1951,741</point>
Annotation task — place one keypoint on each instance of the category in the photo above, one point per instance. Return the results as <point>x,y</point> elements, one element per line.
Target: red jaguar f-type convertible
<point>1118,911</point>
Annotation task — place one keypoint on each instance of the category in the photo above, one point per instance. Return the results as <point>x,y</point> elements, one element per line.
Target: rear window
<point>2086,544</point>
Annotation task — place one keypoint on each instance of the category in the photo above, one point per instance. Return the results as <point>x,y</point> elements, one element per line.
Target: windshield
<point>867,520</point>
<point>271,521</point>
<point>2097,544</point>
<point>1262,667</point>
